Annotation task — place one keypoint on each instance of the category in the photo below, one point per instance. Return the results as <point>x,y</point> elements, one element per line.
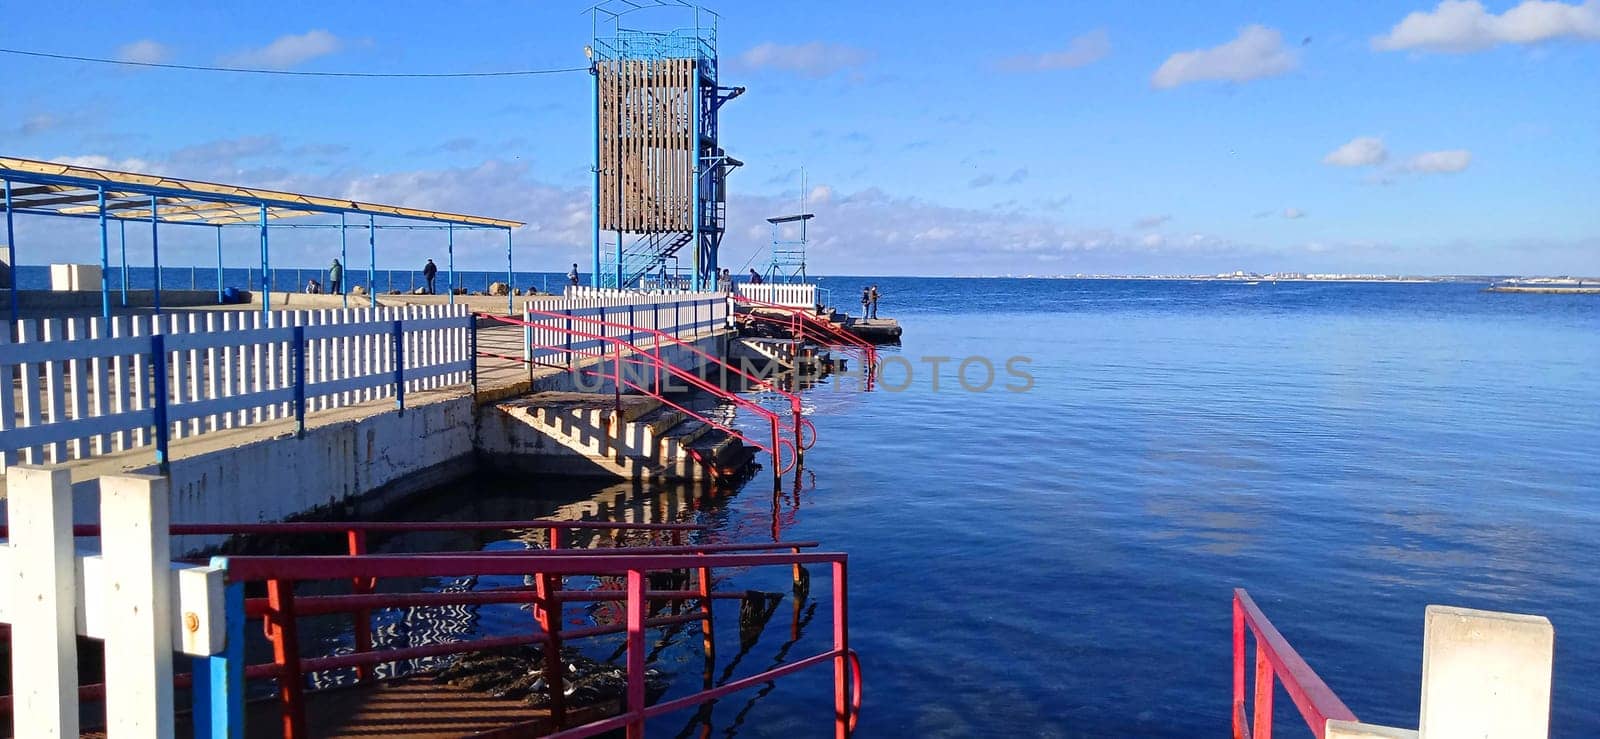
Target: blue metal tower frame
<point>623,258</point>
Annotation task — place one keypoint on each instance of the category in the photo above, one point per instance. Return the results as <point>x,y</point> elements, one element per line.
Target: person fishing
<point>874,295</point>
<point>755,277</point>
<point>866,300</point>
<point>429,270</point>
<point>572,276</point>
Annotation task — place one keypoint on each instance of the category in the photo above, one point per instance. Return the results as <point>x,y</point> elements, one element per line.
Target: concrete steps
<point>584,434</point>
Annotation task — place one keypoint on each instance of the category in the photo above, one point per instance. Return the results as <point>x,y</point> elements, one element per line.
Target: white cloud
<point>1361,151</point>
<point>1459,26</point>
<point>1293,213</point>
<point>287,51</point>
<point>99,161</point>
<point>820,194</point>
<point>815,59</point>
<point>1081,51</point>
<point>37,123</point>
<point>1257,52</point>
<point>1152,221</point>
<point>144,51</point>
<point>1450,160</point>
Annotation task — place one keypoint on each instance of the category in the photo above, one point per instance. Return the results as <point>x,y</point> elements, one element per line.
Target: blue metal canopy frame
<point>51,189</point>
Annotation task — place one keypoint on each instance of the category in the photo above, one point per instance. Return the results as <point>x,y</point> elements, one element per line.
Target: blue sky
<point>939,138</point>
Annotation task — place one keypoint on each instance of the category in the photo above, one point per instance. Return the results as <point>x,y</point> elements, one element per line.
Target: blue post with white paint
<point>510,304</point>
<point>158,373</point>
<point>397,336</point>
<point>594,277</point>
<point>450,250</point>
<point>219,678</point>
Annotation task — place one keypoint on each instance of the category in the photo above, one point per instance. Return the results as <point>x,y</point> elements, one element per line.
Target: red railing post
<point>357,539</point>
<point>1263,711</point>
<point>549,613</point>
<point>841,648</point>
<point>636,655</point>
<point>777,457</point>
<point>709,644</point>
<point>286,656</point>
<point>1240,725</point>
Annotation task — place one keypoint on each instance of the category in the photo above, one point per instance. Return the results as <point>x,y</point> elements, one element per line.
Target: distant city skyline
<point>1395,137</point>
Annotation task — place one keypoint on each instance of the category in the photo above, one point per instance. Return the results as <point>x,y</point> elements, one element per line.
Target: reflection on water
<point>754,634</point>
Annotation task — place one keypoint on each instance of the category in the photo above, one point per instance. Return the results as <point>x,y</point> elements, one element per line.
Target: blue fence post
<point>472,339</point>
<point>398,332</point>
<point>570,363</point>
<point>219,678</point>
<point>299,353</point>
<point>158,356</point>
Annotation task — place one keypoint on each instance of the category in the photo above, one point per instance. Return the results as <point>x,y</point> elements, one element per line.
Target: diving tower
<point>660,169</point>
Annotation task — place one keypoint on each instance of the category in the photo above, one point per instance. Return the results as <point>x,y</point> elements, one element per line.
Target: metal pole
<point>122,230</point>
<point>594,277</point>
<point>105,258</point>
<point>344,266</point>
<point>372,261</point>
<point>155,250</point>
<point>266,288</point>
<point>694,283</point>
<point>450,249</point>
<point>11,257</point>
<point>219,265</point>
<point>510,304</point>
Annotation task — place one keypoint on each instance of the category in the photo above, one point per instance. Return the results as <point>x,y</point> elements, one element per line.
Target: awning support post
<point>11,254</point>
<point>372,260</point>
<point>155,250</point>
<point>450,250</point>
<point>105,257</point>
<point>266,286</point>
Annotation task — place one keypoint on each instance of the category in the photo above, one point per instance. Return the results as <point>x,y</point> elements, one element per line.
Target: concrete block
<point>74,277</point>
<point>1485,674</point>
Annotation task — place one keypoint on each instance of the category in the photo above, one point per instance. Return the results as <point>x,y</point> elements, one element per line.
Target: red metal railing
<point>1276,661</point>
<point>823,332</point>
<point>356,535</point>
<point>651,358</point>
<point>281,608</point>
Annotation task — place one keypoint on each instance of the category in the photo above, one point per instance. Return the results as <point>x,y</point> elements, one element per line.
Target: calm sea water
<point>1059,562</point>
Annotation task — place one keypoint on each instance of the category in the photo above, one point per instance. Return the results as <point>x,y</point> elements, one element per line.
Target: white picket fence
<point>83,387</point>
<point>683,315</point>
<point>789,295</point>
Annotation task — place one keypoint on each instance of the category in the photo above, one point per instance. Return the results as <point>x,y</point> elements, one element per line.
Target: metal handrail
<point>654,358</point>
<point>279,612</point>
<point>843,338</point>
<point>1276,660</point>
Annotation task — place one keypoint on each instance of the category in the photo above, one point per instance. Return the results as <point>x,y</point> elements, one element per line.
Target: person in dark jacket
<point>572,276</point>
<point>755,277</point>
<point>336,278</point>
<point>873,293</point>
<point>429,270</point>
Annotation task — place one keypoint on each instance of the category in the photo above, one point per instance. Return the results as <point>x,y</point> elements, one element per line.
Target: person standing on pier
<point>336,278</point>
<point>429,270</point>
<point>572,276</point>
<point>874,295</point>
<point>866,300</point>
